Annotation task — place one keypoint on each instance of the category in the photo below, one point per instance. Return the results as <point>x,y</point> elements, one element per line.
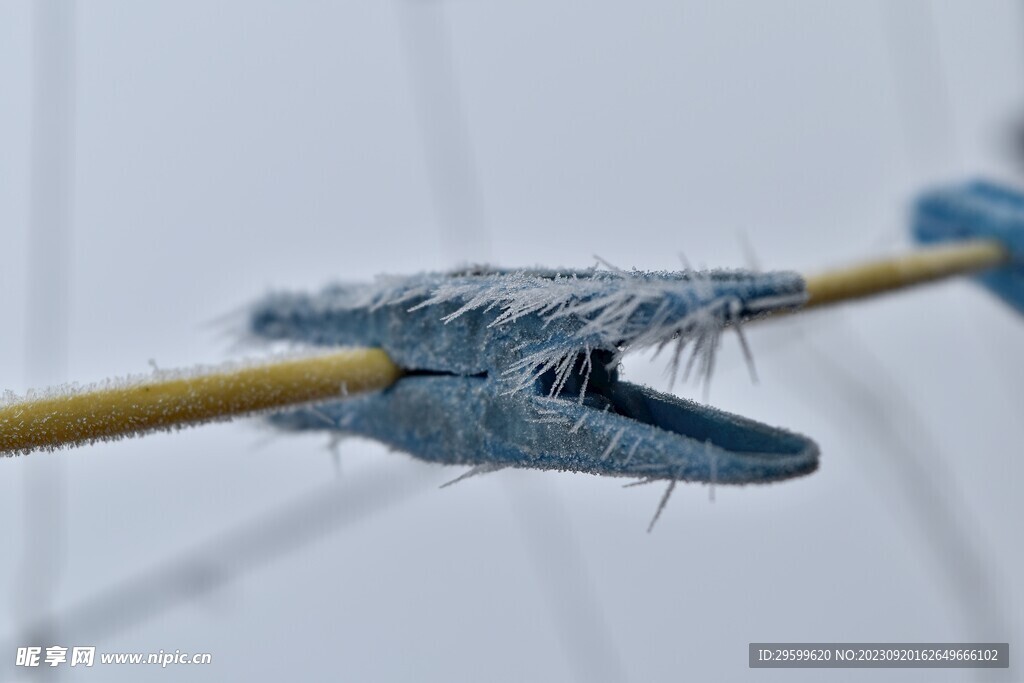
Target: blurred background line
<point>573,602</point>
<point>448,153</point>
<point>238,551</point>
<point>922,88</point>
<point>907,459</point>
<point>43,552</point>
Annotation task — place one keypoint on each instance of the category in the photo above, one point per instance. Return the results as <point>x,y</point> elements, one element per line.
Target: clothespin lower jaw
<point>640,433</point>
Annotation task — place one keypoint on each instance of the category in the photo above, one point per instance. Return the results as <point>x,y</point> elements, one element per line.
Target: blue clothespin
<point>519,369</point>
<point>978,209</point>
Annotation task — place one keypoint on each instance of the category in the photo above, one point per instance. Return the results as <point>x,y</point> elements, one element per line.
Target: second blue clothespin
<point>978,210</point>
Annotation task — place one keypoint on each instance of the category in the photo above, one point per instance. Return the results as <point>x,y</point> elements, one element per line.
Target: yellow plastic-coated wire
<point>911,269</point>
<point>132,408</point>
<point>111,412</point>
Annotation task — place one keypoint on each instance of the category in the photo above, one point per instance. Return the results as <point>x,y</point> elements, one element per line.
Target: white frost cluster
<point>606,303</point>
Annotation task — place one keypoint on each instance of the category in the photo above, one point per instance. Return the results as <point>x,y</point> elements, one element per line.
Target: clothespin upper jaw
<point>978,210</point>
<point>506,323</point>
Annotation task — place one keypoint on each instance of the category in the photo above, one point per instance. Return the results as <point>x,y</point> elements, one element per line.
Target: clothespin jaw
<point>519,369</point>
<point>978,210</point>
<point>644,434</point>
<point>508,324</point>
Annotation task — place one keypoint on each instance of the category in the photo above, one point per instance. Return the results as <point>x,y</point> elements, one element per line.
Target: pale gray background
<point>219,149</point>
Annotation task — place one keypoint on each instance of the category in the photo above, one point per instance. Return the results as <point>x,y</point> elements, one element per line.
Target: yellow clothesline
<point>135,407</point>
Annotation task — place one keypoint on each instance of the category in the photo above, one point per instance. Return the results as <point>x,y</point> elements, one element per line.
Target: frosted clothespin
<point>519,369</point>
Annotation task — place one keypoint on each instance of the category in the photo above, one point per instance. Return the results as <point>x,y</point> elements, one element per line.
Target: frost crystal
<point>525,325</point>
